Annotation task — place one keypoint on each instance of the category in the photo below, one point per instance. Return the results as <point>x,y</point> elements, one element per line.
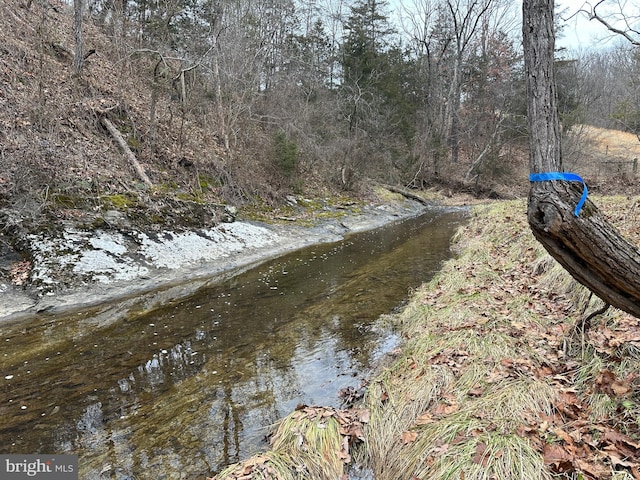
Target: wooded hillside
<point>145,105</point>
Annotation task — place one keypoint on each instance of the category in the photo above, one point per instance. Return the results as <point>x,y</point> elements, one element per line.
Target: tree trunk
<point>454,102</point>
<point>78,59</point>
<point>586,245</point>
<point>219,104</point>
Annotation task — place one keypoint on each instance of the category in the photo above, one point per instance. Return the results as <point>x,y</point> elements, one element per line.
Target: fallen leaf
<point>607,382</point>
<point>424,419</point>
<point>593,469</point>
<point>569,404</point>
<point>446,408</point>
<point>616,459</point>
<point>543,372</point>
<point>479,457</point>
<point>344,454</point>
<point>327,413</point>
<point>409,437</point>
<point>557,456</point>
<point>506,362</point>
<point>439,449</point>
<point>620,388</point>
<point>615,436</point>
<point>561,434</point>
<point>353,431</point>
<point>363,414</point>
<point>476,391</point>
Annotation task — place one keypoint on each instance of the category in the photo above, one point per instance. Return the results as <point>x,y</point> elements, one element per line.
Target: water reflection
<point>182,390</point>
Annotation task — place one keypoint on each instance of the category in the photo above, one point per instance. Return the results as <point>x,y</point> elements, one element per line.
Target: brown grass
<point>312,443</point>
<point>493,381</point>
<point>605,158</point>
<point>613,143</point>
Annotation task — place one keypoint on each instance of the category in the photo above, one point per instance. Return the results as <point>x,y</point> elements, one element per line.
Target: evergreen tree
<point>367,39</point>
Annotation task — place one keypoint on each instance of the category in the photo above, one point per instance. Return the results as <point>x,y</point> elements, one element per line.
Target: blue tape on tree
<point>568,177</point>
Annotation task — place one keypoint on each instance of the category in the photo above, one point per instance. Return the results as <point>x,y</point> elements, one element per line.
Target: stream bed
<point>181,390</point>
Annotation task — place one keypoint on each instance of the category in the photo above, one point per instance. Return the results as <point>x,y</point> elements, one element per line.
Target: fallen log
<point>117,136</point>
<point>407,194</point>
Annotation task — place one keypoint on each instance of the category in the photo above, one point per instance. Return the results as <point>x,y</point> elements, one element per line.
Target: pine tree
<point>367,39</point>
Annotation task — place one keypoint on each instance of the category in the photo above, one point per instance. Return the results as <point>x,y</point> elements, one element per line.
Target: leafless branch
<point>593,15</point>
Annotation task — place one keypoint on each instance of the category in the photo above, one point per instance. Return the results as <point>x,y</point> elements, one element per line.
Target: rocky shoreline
<point>82,269</point>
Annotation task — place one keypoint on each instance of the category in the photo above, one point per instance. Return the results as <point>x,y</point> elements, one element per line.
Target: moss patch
<point>120,201</point>
<point>302,211</point>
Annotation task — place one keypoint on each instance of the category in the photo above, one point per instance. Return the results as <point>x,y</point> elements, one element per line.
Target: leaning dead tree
<point>580,239</point>
<point>117,136</point>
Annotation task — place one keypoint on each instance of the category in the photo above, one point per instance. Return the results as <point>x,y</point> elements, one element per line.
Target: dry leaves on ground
<point>503,290</point>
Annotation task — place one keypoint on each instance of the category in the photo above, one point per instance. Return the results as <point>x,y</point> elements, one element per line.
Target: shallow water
<point>182,390</point>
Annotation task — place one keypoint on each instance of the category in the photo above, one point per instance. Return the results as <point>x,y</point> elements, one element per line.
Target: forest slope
<point>58,160</point>
<point>61,167</point>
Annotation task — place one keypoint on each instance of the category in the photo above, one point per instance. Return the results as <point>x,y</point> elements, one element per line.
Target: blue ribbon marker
<point>568,177</point>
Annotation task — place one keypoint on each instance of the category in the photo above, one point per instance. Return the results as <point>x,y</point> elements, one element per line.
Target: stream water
<point>182,390</point>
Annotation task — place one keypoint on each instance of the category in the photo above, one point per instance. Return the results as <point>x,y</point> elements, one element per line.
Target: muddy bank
<point>84,268</point>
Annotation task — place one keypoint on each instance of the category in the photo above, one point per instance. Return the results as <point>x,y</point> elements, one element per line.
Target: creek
<point>183,389</point>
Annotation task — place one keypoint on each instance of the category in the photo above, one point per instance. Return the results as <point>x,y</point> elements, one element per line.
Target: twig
<point>585,323</point>
<point>582,326</point>
<point>624,33</point>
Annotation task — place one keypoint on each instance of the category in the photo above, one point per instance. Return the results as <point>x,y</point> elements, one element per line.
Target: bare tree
<point>581,240</point>
<point>623,89</point>
<point>467,17</point>
<point>419,22</point>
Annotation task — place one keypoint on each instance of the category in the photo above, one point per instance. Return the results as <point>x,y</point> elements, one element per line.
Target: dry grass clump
<point>312,443</point>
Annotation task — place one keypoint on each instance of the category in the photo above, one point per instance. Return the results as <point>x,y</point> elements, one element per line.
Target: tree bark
<point>587,246</point>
